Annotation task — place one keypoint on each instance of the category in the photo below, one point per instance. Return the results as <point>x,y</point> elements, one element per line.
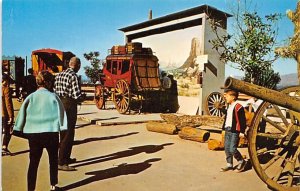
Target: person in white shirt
<point>234,124</point>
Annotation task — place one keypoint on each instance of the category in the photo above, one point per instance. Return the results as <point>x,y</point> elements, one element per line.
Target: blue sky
<point>81,26</point>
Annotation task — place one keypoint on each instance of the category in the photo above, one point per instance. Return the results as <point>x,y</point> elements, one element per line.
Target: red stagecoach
<point>130,79</point>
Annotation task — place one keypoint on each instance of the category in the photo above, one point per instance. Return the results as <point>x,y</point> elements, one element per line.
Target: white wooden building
<point>181,42</point>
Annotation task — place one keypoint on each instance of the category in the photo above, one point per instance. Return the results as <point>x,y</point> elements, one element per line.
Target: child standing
<point>234,124</point>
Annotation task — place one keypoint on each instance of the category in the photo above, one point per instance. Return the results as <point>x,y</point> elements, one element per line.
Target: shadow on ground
<point>122,169</point>
<point>87,140</point>
<point>129,152</point>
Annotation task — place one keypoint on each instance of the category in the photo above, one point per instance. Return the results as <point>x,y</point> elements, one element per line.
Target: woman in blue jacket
<point>40,119</point>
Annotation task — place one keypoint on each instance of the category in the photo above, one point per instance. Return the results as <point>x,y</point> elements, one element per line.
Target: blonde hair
<point>45,79</point>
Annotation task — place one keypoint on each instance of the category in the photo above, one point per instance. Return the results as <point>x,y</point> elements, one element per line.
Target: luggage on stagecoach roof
<point>133,47</point>
<point>129,48</point>
<point>118,49</point>
<point>147,51</point>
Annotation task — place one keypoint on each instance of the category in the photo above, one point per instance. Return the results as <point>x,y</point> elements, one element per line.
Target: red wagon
<point>130,79</point>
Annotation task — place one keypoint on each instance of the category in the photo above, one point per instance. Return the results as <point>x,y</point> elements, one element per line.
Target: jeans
<point>231,144</point>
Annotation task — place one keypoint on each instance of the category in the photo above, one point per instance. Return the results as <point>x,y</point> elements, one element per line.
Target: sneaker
<point>240,167</point>
<point>227,168</point>
<point>66,168</point>
<point>72,160</point>
<point>55,188</point>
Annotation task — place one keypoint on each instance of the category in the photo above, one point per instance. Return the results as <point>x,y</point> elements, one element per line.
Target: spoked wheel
<point>215,102</point>
<point>274,144</point>
<point>99,96</point>
<point>122,96</point>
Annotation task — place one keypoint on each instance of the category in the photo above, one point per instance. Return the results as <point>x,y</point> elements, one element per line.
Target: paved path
<point>129,158</point>
<point>110,116</point>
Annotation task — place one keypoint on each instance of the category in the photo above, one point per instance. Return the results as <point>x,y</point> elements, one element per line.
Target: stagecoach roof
<point>213,12</point>
<point>49,50</point>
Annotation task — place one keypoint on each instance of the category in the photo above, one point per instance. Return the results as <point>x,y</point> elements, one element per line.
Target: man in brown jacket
<point>7,110</point>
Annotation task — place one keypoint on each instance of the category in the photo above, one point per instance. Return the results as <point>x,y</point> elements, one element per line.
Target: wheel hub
<point>218,105</point>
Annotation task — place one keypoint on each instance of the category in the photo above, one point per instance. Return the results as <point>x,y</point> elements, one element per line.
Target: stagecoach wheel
<point>215,102</point>
<point>99,96</point>
<point>274,141</point>
<point>122,96</point>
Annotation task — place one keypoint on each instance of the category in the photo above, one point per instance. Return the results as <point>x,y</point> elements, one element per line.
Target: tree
<point>266,78</point>
<point>293,49</point>
<point>93,72</point>
<point>250,49</point>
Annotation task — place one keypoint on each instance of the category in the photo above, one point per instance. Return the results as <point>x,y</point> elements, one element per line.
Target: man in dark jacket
<point>30,83</point>
<point>234,124</point>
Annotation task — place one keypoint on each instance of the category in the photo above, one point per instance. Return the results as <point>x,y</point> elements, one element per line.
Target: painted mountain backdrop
<point>288,80</point>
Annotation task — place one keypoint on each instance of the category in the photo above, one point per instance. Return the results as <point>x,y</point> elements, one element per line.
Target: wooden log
<point>161,127</point>
<point>193,120</point>
<point>215,145</point>
<point>193,134</point>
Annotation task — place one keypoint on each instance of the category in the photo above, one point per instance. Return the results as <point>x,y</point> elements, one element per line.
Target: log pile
<point>186,125</point>
<point>193,120</point>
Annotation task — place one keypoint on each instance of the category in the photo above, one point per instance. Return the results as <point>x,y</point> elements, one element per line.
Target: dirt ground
<point>130,158</point>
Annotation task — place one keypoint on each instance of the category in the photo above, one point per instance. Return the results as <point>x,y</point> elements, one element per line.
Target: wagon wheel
<point>214,104</point>
<point>122,96</point>
<point>274,141</point>
<point>99,96</point>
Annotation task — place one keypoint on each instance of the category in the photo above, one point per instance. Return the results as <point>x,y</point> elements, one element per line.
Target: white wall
<point>212,83</point>
<point>173,49</point>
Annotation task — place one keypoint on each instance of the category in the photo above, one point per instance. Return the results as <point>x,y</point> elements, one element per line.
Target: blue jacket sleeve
<point>21,118</point>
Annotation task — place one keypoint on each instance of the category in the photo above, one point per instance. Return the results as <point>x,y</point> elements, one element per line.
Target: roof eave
<point>177,15</point>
